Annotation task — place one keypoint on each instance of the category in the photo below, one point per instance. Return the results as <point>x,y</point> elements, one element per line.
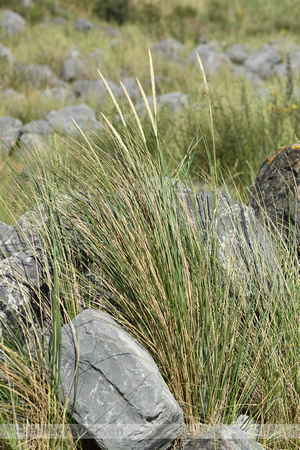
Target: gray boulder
<point>6,54</point>
<point>4,228</point>
<point>173,101</point>
<point>30,144</point>
<point>26,3</point>
<point>11,94</point>
<point>10,129</point>
<point>131,87</point>
<point>12,22</point>
<point>245,249</point>
<point>243,71</point>
<point>117,393</point>
<point>21,283</point>
<point>38,75</point>
<point>21,274</point>
<point>212,60</point>
<point>57,94</point>
<point>295,63</point>
<point>24,235</point>
<point>94,91</point>
<point>96,55</point>
<point>169,49</point>
<point>37,127</point>
<point>237,53</point>
<point>82,114</point>
<point>263,60</point>
<point>280,70</point>
<point>70,69</point>
<point>85,25</point>
<point>223,438</point>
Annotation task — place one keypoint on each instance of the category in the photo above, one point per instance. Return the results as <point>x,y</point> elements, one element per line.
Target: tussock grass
<point>221,350</point>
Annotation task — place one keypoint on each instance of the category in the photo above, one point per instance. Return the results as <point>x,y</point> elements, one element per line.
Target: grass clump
<point>115,213</point>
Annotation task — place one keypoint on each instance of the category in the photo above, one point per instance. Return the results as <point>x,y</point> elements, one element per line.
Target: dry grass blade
<point>113,98</point>
<point>134,113</point>
<point>147,108</point>
<point>152,84</point>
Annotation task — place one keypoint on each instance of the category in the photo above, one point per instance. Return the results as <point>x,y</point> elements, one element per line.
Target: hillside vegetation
<point>226,344</point>
<point>248,126</point>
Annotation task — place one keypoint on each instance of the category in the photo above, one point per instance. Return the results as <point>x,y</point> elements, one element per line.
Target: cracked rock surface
<point>117,392</point>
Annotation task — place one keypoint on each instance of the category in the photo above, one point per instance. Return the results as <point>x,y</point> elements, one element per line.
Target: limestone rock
<point>223,438</point>
<point>37,127</point>
<point>263,60</point>
<point>169,49</point>
<point>117,393</point>
<point>4,228</point>
<point>131,87</point>
<point>31,144</point>
<point>11,94</point>
<point>37,75</point>
<point>173,101</point>
<point>245,249</point>
<point>70,69</point>
<point>212,60</point>
<point>84,25</point>
<point>6,54</point>
<point>93,90</point>
<point>12,22</point>
<point>60,93</point>
<point>82,114</point>
<point>237,53</point>
<point>10,129</point>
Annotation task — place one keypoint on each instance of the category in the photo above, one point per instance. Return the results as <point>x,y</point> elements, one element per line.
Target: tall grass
<point>118,236</point>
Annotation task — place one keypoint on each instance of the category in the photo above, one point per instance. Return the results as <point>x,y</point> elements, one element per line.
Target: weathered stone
<point>6,54</point>
<point>4,228</point>
<point>22,266</point>
<point>280,70</point>
<point>59,21</point>
<point>26,3</point>
<point>117,393</point>
<point>37,127</point>
<point>24,235</point>
<point>263,60</point>
<point>274,194</point>
<point>237,53</point>
<point>11,94</point>
<point>223,438</point>
<point>70,69</point>
<point>93,90</point>
<point>173,101</point>
<point>38,75</point>
<point>242,71</point>
<point>244,248</point>
<point>12,22</point>
<point>131,87</point>
<point>295,63</point>
<point>10,129</point>
<point>61,94</point>
<point>21,277</point>
<point>31,144</point>
<point>96,55</point>
<point>169,49</point>
<point>212,61</point>
<point>85,25</point>
<point>83,115</point>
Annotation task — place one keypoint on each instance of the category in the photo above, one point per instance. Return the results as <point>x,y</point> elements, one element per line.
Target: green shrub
<point>113,10</point>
